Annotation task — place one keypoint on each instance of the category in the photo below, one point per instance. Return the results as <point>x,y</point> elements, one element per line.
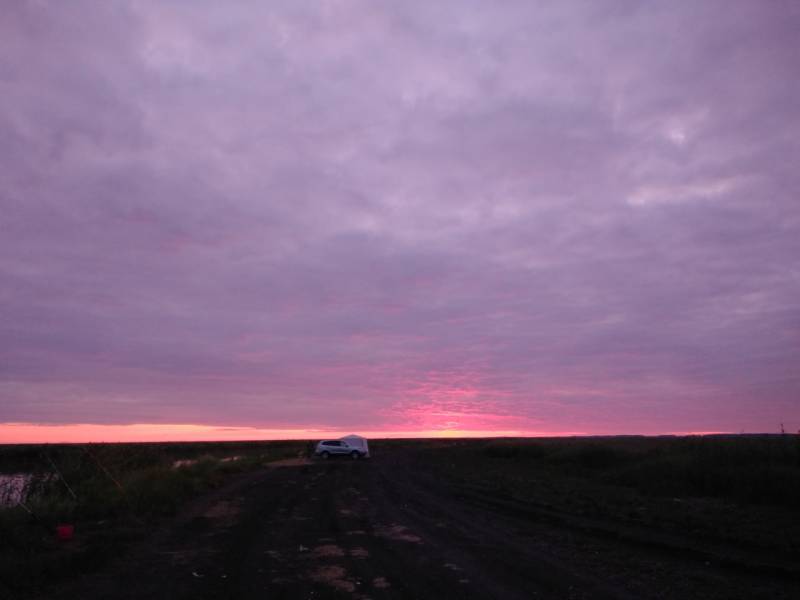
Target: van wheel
<point>355,455</point>
<point>325,455</point>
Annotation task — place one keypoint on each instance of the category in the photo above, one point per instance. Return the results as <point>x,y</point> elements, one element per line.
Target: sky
<point>286,219</point>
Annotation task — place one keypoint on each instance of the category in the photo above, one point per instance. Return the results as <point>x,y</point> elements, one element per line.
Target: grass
<point>741,491</point>
<point>112,492</point>
<point>761,469</point>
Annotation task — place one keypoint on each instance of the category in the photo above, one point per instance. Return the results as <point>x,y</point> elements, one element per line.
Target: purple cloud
<point>569,217</point>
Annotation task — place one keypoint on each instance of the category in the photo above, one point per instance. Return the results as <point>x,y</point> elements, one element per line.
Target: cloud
<point>568,218</point>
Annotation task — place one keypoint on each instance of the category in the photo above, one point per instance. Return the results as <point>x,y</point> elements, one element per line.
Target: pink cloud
<point>406,217</point>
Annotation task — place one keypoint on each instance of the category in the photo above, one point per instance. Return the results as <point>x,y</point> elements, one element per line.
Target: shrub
<point>591,456</point>
<point>514,450</point>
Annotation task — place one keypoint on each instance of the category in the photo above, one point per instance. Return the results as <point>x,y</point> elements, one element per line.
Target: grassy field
<point>747,469</point>
<point>743,491</point>
<point>112,493</point>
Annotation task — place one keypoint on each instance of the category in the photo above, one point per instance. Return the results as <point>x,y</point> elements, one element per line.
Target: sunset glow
<point>294,220</point>
<point>23,433</point>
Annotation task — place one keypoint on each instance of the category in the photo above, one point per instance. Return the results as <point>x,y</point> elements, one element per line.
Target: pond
<point>14,488</point>
<point>188,462</point>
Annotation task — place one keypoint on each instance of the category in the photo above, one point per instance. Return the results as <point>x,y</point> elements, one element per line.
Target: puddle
<point>328,550</point>
<point>14,488</point>
<point>225,511</point>
<point>334,576</point>
<point>289,462</point>
<point>188,462</point>
<point>399,533</point>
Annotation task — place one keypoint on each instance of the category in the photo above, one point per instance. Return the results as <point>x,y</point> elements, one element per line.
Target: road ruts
<point>387,528</point>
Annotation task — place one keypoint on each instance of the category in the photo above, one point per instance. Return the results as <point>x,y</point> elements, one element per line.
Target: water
<point>14,488</point>
<point>188,462</point>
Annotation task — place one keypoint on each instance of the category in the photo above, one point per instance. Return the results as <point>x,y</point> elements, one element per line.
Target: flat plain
<point>697,517</point>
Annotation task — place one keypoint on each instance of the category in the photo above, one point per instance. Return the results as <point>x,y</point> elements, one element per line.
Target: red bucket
<point>65,532</point>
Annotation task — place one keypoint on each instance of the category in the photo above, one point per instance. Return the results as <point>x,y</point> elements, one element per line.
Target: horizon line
<point>15,433</point>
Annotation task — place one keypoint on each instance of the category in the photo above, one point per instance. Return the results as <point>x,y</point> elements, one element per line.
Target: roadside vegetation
<point>112,494</point>
<point>748,469</point>
<point>737,491</point>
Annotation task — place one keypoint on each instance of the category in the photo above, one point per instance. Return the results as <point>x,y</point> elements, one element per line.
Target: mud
<point>389,528</point>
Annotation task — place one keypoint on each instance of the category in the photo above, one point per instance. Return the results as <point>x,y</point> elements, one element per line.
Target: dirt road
<point>387,528</point>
